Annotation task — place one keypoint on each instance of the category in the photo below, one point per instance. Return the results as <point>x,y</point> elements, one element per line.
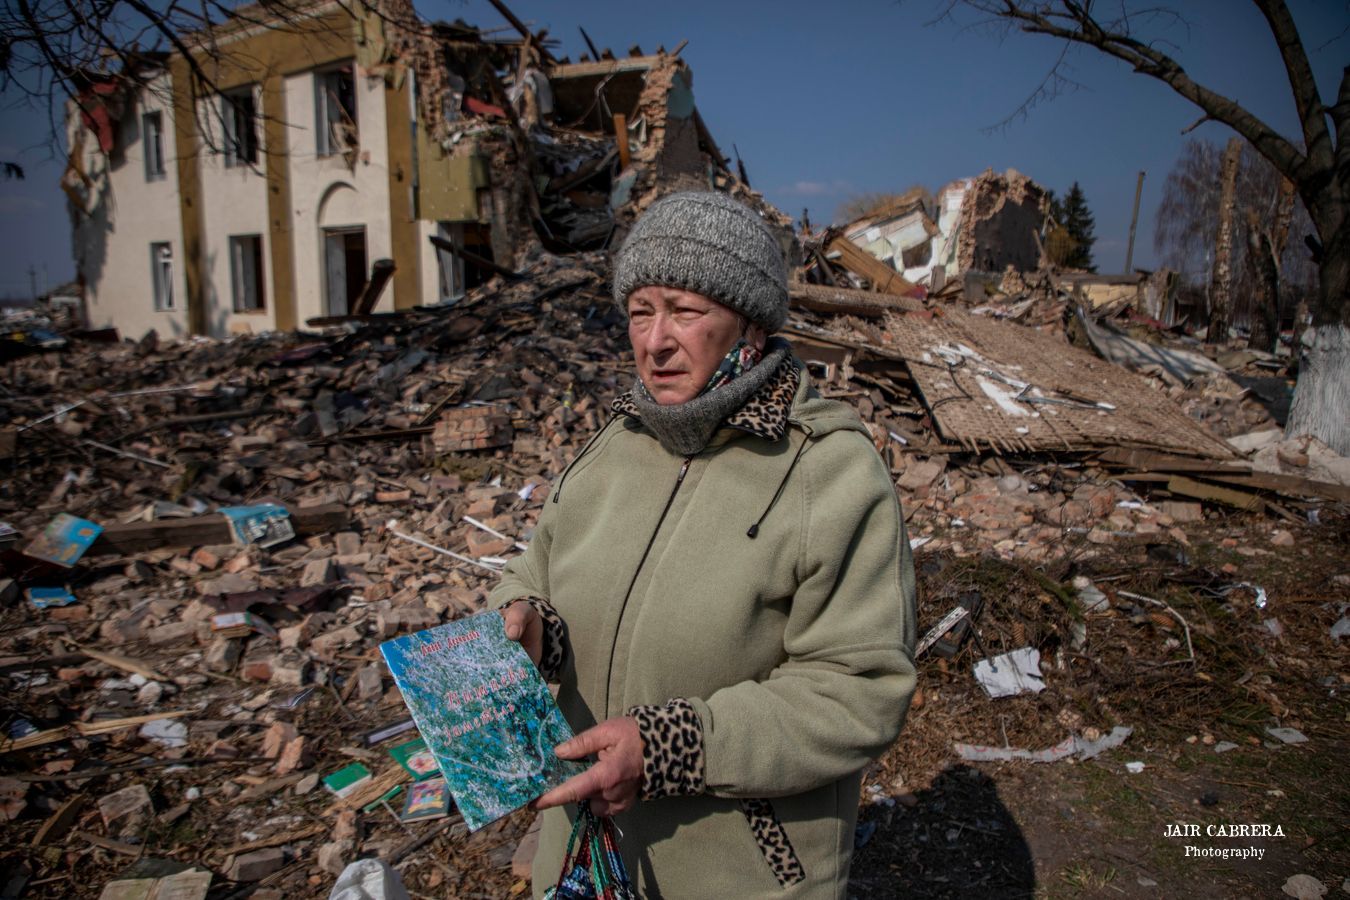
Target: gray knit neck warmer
<point>685,428</point>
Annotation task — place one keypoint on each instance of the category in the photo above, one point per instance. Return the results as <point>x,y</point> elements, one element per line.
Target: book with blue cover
<point>484,712</point>
<point>65,540</point>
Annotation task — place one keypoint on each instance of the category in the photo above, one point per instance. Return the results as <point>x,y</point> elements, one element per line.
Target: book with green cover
<point>416,758</point>
<point>484,713</point>
<point>347,779</point>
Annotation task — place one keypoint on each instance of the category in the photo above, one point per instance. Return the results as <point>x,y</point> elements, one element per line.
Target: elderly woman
<point>720,583</point>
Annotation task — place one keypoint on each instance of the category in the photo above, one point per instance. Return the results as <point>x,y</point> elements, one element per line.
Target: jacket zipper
<point>614,643</point>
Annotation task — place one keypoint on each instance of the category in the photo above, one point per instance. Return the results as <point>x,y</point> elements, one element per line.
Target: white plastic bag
<point>369,879</point>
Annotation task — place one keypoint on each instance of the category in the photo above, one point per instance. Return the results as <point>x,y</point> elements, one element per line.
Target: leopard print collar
<point>764,415</point>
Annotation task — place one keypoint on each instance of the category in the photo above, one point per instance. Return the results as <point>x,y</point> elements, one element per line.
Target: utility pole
<point>1134,220</point>
<point>32,281</point>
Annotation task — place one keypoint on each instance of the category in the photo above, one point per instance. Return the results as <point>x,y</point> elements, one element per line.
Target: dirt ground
<point>935,826</point>
<point>932,825</point>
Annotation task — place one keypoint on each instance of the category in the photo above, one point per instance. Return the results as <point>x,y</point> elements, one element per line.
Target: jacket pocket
<point>772,839</point>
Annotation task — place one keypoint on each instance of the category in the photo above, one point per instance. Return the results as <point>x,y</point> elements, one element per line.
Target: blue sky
<point>827,100</point>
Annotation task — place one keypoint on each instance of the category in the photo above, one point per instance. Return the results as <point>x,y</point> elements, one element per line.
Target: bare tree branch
<point>1074,22</point>
<point>1311,114</point>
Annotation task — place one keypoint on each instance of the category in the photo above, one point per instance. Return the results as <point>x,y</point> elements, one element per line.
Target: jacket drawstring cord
<point>754,529</point>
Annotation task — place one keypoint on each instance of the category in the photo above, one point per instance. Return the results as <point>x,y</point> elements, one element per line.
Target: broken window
<point>161,275</point>
<point>335,110</point>
<point>246,273</point>
<point>152,133</point>
<point>239,112</point>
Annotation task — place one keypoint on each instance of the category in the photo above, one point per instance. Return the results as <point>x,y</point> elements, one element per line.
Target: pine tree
<point>1079,223</point>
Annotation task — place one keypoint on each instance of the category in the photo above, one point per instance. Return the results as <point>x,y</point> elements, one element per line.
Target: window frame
<point>241,281</point>
<point>231,109</point>
<point>324,145</point>
<point>161,275</point>
<point>153,153</point>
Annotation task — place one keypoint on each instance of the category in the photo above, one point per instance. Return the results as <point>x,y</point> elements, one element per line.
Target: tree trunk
<point>1221,293</point>
<point>1265,273</point>
<point>1322,397</point>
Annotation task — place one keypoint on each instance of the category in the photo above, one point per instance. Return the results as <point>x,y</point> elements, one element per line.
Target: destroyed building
<point>347,161</point>
<point>984,224</point>
<point>195,704</point>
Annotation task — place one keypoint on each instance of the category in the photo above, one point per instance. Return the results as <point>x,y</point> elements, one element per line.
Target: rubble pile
<point>411,451</point>
<point>173,685</point>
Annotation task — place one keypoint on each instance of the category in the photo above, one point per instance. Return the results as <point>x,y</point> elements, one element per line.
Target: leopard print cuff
<point>555,650</point>
<point>672,749</point>
<point>773,842</point>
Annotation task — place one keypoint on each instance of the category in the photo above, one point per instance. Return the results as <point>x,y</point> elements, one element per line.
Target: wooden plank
<point>897,206</point>
<point>108,725</point>
<point>65,732</point>
<point>125,663</point>
<point>885,280</point>
<point>529,37</point>
<point>380,435</point>
<point>848,301</point>
<point>621,137</point>
<point>1154,461</point>
<point>109,844</point>
<point>1189,487</point>
<point>1238,474</point>
<point>880,352</point>
<point>197,531</point>
<point>59,822</point>
<point>380,274</point>
<point>600,68</point>
<point>1290,485</point>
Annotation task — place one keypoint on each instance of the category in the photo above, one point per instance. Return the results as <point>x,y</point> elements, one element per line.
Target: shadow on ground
<point>958,840</point>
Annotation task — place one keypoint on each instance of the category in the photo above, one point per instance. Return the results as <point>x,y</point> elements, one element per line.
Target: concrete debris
<point>1287,735</point>
<point>271,506</point>
<point>1010,674</point>
<point>1304,887</point>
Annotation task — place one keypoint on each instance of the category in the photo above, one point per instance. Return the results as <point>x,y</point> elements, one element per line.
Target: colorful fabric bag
<point>592,868</point>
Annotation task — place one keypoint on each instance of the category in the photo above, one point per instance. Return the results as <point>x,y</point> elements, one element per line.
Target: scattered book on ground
<point>484,712</point>
<point>428,799</point>
<point>417,758</point>
<point>64,540</point>
<point>347,779</point>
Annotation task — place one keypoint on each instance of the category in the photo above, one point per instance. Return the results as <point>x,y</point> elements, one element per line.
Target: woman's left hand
<point>613,783</point>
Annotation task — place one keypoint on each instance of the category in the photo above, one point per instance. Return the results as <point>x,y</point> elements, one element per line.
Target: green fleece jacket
<point>769,584</point>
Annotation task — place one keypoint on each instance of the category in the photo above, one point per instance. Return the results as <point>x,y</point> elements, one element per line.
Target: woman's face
<point>679,338</point>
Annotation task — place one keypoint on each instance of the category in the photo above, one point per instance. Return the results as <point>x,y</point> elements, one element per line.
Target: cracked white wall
<point>125,212</point>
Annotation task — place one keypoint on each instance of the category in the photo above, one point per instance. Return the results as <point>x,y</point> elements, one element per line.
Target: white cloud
<point>816,188</point>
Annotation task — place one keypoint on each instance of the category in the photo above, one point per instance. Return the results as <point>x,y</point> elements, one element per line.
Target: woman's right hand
<point>524,626</point>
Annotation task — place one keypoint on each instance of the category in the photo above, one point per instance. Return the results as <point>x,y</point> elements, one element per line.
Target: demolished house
<point>197,705</point>
<point>184,695</point>
<point>352,161</point>
<point>984,225</point>
<point>986,229</point>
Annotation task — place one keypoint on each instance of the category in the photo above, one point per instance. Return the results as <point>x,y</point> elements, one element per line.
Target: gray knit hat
<point>710,244</point>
